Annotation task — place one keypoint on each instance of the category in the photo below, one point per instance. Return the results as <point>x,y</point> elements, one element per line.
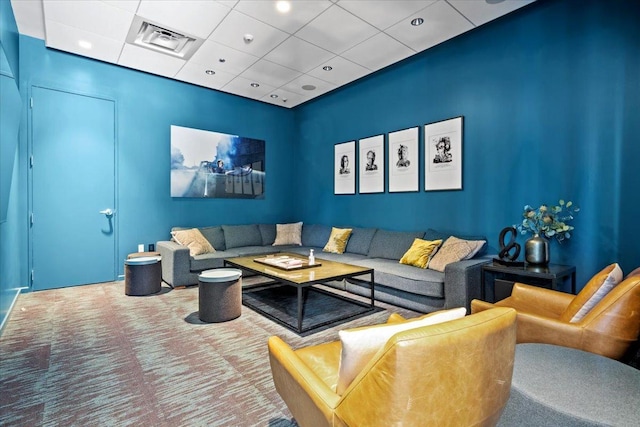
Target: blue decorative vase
<point>536,250</point>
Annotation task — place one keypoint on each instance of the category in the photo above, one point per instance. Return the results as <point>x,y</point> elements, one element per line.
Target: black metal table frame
<point>301,286</point>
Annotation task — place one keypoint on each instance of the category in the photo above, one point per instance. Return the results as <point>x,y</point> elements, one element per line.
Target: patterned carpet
<point>90,355</point>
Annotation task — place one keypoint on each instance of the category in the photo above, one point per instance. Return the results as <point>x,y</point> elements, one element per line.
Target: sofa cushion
<point>454,250</point>
<point>288,234</point>
<point>420,252</point>
<point>215,236</point>
<point>268,232</point>
<point>213,260</point>
<point>194,240</point>
<point>360,240</point>
<point>392,244</point>
<point>236,236</point>
<point>360,345</point>
<point>337,240</point>
<point>315,235</point>
<point>392,274</point>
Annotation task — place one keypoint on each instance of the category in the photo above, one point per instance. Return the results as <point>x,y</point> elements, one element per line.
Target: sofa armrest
<point>176,263</point>
<point>462,282</point>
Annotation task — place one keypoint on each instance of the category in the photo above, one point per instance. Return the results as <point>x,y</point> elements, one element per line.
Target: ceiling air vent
<point>152,36</point>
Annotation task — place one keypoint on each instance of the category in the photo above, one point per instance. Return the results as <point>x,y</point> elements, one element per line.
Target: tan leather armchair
<point>453,373</point>
<point>608,329</point>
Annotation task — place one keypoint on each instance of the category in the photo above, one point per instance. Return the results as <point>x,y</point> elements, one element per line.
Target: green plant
<point>549,221</point>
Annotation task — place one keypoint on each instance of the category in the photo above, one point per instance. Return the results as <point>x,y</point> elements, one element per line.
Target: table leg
<point>372,282</point>
<point>573,283</point>
<point>299,309</point>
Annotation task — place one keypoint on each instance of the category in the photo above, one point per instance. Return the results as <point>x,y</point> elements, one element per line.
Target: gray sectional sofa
<point>423,290</point>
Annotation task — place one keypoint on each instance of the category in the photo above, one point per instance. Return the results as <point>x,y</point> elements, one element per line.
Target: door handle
<point>108,212</point>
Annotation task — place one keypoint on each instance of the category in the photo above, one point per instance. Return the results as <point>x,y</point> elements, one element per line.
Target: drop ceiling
<point>292,57</point>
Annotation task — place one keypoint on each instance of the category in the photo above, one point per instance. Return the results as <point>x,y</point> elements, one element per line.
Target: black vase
<point>536,250</point>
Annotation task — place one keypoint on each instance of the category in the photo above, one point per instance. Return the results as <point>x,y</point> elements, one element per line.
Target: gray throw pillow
<point>392,244</point>
<point>237,236</point>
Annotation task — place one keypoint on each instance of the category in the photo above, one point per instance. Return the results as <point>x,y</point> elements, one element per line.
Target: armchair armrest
<point>296,382</point>
<point>462,282</point>
<point>544,301</point>
<point>176,263</point>
<point>537,329</point>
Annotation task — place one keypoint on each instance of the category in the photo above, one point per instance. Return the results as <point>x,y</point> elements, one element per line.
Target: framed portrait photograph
<point>403,160</point>
<point>443,155</point>
<point>371,167</point>
<point>344,177</point>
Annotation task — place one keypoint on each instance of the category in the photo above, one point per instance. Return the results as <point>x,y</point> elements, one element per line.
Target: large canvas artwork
<point>216,165</point>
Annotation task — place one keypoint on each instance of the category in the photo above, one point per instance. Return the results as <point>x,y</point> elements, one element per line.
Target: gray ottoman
<point>560,386</point>
<point>142,276</point>
<point>220,294</point>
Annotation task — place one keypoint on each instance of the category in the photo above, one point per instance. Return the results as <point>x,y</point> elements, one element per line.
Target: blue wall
<point>147,106</point>
<point>11,256</point>
<point>550,100</point>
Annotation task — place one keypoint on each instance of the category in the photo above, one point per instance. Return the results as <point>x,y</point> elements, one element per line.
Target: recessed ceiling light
<point>273,95</point>
<point>417,21</point>
<point>210,72</point>
<point>222,60</point>
<point>494,1</point>
<point>283,6</point>
<point>254,85</point>
<point>85,44</point>
<point>308,87</point>
<point>327,68</point>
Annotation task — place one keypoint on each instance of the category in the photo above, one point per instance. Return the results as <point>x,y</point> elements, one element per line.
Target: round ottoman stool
<point>142,276</point>
<point>220,294</point>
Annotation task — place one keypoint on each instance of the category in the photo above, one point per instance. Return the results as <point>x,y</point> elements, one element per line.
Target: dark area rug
<point>320,308</point>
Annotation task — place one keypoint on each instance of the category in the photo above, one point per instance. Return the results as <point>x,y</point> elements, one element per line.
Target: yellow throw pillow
<point>194,240</point>
<point>420,252</point>
<point>337,240</point>
<point>359,345</point>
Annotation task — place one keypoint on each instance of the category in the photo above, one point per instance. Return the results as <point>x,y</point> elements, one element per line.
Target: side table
<point>142,274</point>
<point>550,276</point>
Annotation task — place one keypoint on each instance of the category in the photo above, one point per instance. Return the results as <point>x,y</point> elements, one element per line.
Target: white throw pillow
<point>614,277</point>
<point>359,345</point>
<point>288,234</point>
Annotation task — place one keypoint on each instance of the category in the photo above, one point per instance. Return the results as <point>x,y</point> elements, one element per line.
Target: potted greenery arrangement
<point>544,223</point>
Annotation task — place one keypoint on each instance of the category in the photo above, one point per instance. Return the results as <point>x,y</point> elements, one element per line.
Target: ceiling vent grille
<point>152,36</point>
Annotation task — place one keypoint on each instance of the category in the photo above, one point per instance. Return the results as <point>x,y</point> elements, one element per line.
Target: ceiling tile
<point>128,5</point>
<point>285,98</point>
<point>210,53</point>
<point>298,54</point>
<point>336,30</point>
<point>195,73</point>
<point>441,22</point>
<point>194,17</point>
<point>378,52</point>
<point>385,13</point>
<point>272,74</point>
<point>90,15</point>
<point>242,86</point>
<point>302,11</point>
<point>232,30</point>
<point>295,86</point>
<point>149,61</point>
<point>480,12</point>
<point>229,3</point>
<point>63,37</point>
<point>29,18</point>
<point>342,71</point>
